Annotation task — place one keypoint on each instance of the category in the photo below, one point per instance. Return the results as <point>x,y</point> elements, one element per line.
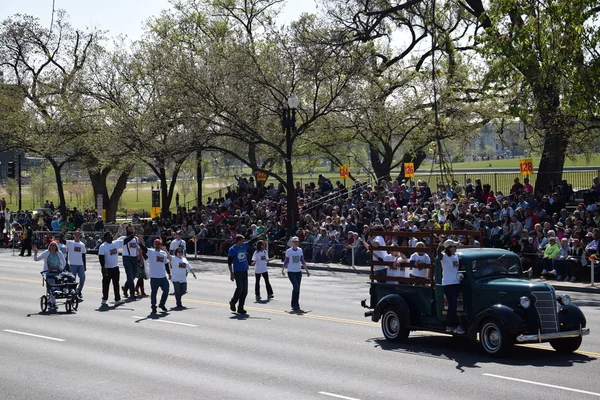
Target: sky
<point>117,16</point>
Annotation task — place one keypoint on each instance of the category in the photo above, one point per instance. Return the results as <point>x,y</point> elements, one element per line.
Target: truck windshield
<point>496,266</point>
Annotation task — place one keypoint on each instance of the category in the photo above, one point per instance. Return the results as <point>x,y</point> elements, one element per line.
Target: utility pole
<point>20,183</point>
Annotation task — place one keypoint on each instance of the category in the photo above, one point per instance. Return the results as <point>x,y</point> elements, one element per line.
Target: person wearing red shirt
<point>527,188</point>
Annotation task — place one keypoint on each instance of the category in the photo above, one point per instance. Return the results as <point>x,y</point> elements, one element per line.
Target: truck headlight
<point>525,302</point>
<point>564,299</point>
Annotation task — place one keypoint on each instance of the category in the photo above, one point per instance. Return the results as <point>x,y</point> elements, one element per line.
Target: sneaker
<point>163,308</point>
<point>232,306</point>
<point>573,279</point>
<point>530,273</point>
<point>258,298</point>
<point>544,272</point>
<point>119,302</point>
<point>459,331</point>
<point>271,296</point>
<point>124,289</point>
<point>242,311</point>
<point>559,278</point>
<point>79,295</point>
<point>553,272</point>
<point>449,329</point>
<point>153,311</point>
<point>103,302</point>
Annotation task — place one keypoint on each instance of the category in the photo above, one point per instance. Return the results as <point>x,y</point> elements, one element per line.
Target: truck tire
<point>391,325</point>
<point>494,340</point>
<point>566,346</point>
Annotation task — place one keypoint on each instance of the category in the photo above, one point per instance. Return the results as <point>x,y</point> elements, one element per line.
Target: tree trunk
<point>553,159</point>
<point>381,163</point>
<point>59,186</point>
<point>110,202</point>
<point>199,179</point>
<point>166,193</point>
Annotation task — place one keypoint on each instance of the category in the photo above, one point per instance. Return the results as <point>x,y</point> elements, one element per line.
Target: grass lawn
<point>579,161</point>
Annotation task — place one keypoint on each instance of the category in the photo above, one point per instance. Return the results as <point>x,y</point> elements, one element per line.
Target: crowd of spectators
<point>554,237</point>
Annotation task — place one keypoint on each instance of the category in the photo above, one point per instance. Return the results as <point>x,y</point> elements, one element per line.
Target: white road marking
<point>33,335</point>
<point>166,322</point>
<point>338,396</point>
<point>545,385</point>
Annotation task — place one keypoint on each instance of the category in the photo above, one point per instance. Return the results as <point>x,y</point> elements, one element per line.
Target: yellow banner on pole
<point>409,170</point>
<point>526,166</point>
<point>344,171</point>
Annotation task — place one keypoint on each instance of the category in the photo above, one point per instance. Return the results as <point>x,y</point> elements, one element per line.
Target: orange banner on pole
<point>409,170</point>
<point>344,171</point>
<point>526,166</point>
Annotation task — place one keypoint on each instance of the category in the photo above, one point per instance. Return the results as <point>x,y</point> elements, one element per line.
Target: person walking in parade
<point>76,254</point>
<point>54,263</point>
<point>237,261</point>
<point>294,261</point>
<point>141,269</point>
<point>179,269</point>
<point>131,256</point>
<point>158,271</point>
<point>259,260</point>
<point>108,254</point>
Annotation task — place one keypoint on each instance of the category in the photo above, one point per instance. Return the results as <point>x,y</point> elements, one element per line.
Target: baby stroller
<point>59,286</point>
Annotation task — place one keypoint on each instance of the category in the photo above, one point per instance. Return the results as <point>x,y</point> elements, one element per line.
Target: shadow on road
<point>243,317</point>
<point>467,354</point>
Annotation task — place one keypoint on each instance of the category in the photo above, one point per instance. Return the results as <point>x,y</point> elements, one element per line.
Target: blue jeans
<point>296,279</point>
<point>163,284</point>
<point>130,266</point>
<point>78,270</point>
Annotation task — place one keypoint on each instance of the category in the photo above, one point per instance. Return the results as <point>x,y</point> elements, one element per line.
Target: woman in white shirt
<point>179,269</point>
<point>451,284</point>
<point>259,260</point>
<point>294,261</point>
<point>54,263</point>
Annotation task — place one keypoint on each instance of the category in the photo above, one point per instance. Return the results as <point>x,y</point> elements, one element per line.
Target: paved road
<point>206,352</point>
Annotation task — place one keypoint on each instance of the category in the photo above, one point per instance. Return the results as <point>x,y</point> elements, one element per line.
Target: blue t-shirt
<point>240,259</point>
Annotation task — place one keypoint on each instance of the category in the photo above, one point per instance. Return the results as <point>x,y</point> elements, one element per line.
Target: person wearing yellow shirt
<point>550,253</point>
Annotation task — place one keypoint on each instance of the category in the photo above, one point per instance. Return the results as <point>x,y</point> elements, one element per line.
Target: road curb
<point>320,267</point>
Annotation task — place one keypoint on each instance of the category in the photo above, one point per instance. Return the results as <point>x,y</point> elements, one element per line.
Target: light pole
<point>288,123</point>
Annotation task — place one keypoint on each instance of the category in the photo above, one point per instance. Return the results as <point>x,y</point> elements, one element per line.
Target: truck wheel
<point>566,346</point>
<point>392,327</point>
<point>493,339</point>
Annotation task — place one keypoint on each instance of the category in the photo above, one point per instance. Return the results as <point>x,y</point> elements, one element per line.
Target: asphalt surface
<point>207,352</point>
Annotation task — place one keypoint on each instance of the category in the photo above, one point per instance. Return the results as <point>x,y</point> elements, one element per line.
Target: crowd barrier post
<point>592,269</point>
<point>352,247</point>
<point>267,247</point>
<point>195,248</point>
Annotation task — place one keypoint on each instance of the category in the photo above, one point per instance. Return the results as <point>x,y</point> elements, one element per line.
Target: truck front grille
<point>546,308</point>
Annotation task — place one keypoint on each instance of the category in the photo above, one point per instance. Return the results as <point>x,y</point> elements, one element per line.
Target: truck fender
<point>392,300</point>
<point>571,318</point>
<point>508,319</point>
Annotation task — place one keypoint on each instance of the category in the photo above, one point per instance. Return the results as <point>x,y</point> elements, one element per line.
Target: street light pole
<point>288,123</point>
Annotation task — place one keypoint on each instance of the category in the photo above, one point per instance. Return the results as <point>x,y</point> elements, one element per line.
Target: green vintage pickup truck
<point>498,306</point>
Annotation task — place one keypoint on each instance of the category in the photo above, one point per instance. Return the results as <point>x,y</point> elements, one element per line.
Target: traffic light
<point>11,170</point>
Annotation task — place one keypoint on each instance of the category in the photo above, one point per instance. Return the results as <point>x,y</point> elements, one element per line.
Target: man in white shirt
<point>158,270</point>
<point>131,255</point>
<point>178,243</point>
<point>108,253</point>
<point>76,252</point>
<point>378,255</point>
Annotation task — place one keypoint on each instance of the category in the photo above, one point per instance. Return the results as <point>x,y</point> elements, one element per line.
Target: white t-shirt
<point>75,250</point>
<point>449,269</point>
<point>157,261</point>
<point>424,259</point>
<point>130,249</point>
<point>260,258</point>
<point>379,253</point>
<point>295,256</point>
<point>400,273</point>
<point>110,251</point>
<point>179,268</point>
<point>175,244</point>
